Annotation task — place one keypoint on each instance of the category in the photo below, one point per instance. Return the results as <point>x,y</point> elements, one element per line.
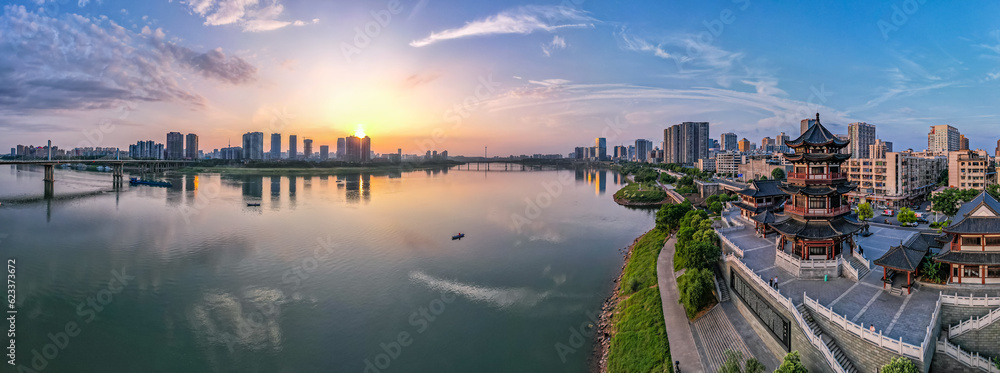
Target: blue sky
<point>520,77</point>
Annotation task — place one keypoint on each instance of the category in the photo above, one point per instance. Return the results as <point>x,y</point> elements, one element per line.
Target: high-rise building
<point>175,145</point>
<point>943,138</point>
<point>766,142</point>
<point>307,148</point>
<point>340,148</point>
<point>744,146</point>
<point>275,146</point>
<point>963,142</point>
<point>729,141</point>
<point>805,124</point>
<point>191,151</point>
<point>997,150</point>
<point>253,146</point>
<point>879,149</point>
<point>970,169</point>
<point>685,143</point>
<point>861,135</point>
<point>358,149</point>
<point>324,152</point>
<point>293,147</point>
<point>782,138</point>
<point>642,148</point>
<point>602,148</point>
<point>894,179</point>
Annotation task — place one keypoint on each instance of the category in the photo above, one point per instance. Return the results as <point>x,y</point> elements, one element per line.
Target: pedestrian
<point>775,282</point>
<point>872,328</point>
<point>770,282</point>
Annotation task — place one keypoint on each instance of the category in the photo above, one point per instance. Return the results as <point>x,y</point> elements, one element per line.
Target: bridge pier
<point>50,172</point>
<point>49,189</point>
<point>117,174</point>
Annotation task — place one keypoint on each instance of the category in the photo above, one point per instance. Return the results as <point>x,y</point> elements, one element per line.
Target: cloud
<point>566,104</point>
<point>416,80</point>
<point>251,15</point>
<point>908,78</point>
<point>77,63</point>
<point>521,20</point>
<point>557,43</point>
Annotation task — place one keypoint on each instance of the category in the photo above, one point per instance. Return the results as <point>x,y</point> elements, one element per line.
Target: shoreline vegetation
<point>632,334</point>
<point>637,194</point>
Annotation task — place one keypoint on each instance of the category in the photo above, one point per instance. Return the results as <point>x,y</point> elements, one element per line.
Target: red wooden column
<point>883,277</point>
<point>909,287</point>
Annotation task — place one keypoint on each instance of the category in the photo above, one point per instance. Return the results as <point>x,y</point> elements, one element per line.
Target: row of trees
<point>697,250</point>
<point>715,202</point>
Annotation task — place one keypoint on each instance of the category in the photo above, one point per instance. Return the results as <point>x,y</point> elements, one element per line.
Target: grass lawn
<point>641,193</point>
<point>640,342</point>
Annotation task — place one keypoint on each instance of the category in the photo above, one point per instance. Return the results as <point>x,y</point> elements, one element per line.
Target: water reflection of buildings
<point>358,186</point>
<point>599,178</point>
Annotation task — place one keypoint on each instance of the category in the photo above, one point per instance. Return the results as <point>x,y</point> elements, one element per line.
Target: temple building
<point>905,259</point>
<point>758,197</point>
<point>973,250</point>
<point>816,223</point>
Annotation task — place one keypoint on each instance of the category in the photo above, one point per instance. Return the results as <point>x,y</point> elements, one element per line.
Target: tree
<point>715,207</point>
<point>792,364</point>
<point>900,365</point>
<point>733,361</point>
<point>695,287</point>
<point>702,254</point>
<point>865,211</point>
<point>943,177</point>
<point>753,366</point>
<point>778,174</point>
<point>669,216</point>
<point>993,190</point>
<point>948,200</point>
<point>906,216</point>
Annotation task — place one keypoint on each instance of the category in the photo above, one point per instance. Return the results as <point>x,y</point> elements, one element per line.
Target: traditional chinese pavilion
<point>973,250</point>
<point>816,224</point>
<point>759,196</point>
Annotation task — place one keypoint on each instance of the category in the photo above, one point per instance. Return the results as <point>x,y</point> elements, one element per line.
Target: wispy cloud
<point>72,62</point>
<point>907,78</point>
<point>521,20</point>
<point>557,43</point>
<point>251,15</point>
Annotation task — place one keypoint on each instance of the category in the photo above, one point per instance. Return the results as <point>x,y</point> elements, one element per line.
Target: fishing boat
<point>137,181</point>
<point>458,236</point>
<point>252,204</point>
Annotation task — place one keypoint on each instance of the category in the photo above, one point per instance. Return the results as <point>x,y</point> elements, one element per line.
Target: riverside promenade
<point>679,335</point>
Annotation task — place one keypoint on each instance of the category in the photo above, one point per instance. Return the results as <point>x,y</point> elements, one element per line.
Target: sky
<point>517,77</point>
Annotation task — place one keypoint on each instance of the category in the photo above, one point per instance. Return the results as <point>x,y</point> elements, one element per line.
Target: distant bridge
<point>117,167</point>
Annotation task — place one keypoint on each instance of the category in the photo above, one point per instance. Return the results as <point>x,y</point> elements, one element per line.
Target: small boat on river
<point>458,236</point>
<point>253,204</point>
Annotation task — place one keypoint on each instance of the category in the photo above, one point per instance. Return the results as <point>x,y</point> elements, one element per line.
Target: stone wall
<point>951,315</point>
<point>866,356</point>
<point>985,341</point>
<point>944,363</point>
<point>811,357</point>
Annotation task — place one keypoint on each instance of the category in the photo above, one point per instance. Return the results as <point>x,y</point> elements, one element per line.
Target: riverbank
<point>632,333</point>
<point>641,195</point>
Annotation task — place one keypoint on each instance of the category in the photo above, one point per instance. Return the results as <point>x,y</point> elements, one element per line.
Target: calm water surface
<point>326,275</point>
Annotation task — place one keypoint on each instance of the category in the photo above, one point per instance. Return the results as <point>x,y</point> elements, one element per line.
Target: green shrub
<point>696,288</point>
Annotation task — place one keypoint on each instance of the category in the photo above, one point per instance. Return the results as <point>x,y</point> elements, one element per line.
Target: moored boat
<point>137,181</point>
<point>458,236</point>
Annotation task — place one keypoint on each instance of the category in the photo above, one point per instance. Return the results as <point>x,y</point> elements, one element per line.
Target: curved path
<point>682,346</point>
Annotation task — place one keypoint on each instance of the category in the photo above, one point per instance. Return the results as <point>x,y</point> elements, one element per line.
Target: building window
<point>969,241</point>
<point>971,271</point>
<point>993,241</point>
<point>993,271</point>
<point>817,203</point>
<point>954,271</point>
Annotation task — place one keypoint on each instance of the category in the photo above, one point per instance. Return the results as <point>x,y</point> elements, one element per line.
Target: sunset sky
<point>518,77</point>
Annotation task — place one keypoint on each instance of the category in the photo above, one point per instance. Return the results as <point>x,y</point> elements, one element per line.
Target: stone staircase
<point>723,289</point>
<point>830,343</point>
<point>717,335</point>
<point>860,268</point>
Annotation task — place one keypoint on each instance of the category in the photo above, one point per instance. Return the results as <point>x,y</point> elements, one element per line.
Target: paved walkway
<point>682,346</point>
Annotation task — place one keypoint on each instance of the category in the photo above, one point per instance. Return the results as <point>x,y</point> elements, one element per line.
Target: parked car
<point>908,224</point>
<point>888,212</point>
<point>921,220</point>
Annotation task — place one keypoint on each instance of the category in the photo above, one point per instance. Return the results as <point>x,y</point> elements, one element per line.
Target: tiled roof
<point>977,224</point>
<point>762,188</point>
<point>902,258</point>
<point>816,229</point>
<point>969,257</point>
<point>817,135</point>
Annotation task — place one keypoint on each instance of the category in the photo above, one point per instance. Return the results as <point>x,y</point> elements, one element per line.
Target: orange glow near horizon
<point>360,132</point>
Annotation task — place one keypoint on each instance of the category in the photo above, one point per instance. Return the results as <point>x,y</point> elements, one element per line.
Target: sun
<point>360,132</point>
